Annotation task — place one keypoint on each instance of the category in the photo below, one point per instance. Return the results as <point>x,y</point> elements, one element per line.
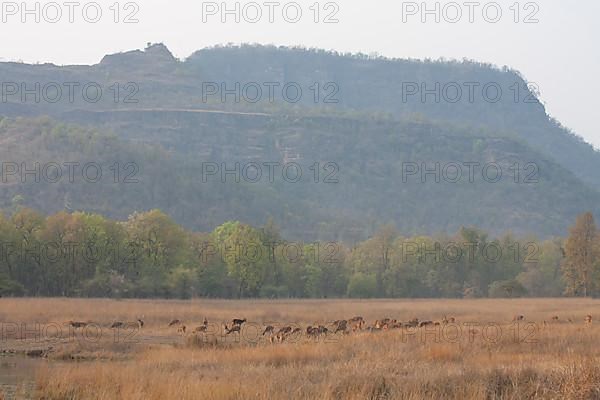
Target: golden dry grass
<point>489,358</point>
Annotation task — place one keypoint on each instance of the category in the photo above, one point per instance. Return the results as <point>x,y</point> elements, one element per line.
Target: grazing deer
<point>175,322</point>
<point>78,324</point>
<point>357,323</point>
<point>323,330</point>
<point>234,328</point>
<point>203,327</point>
<point>588,319</point>
<point>413,323</point>
<point>312,331</point>
<point>382,324</point>
<point>396,325</point>
<point>237,321</point>
<point>518,318</point>
<point>200,329</point>
<point>117,324</point>
<point>447,320</point>
<point>288,334</point>
<point>425,323</point>
<point>282,333</point>
<point>341,326</point>
<point>268,330</point>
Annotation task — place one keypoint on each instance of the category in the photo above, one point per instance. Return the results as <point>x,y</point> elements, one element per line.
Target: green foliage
<point>507,289</point>
<point>9,287</point>
<point>148,255</point>
<point>362,286</point>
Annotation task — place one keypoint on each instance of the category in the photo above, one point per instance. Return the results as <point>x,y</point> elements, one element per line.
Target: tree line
<point>150,256</point>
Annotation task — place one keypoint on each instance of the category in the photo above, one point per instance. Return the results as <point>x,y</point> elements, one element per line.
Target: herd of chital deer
<point>343,326</point>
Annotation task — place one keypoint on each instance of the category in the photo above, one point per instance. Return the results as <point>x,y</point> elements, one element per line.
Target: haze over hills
<point>364,124</point>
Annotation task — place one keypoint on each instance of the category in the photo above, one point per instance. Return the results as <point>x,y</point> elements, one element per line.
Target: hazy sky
<point>559,52</point>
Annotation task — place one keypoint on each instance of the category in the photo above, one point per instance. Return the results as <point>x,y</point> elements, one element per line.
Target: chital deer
<point>357,323</point>
<point>282,333</point>
<point>425,323</point>
<point>312,331</point>
<point>200,329</point>
<point>117,324</point>
<point>396,325</point>
<point>341,326</point>
<point>234,328</point>
<point>237,321</point>
<point>78,324</point>
<point>316,331</point>
<point>140,323</point>
<point>268,330</point>
<point>588,319</point>
<point>293,332</point>
<point>335,323</point>
<point>175,322</point>
<point>203,327</point>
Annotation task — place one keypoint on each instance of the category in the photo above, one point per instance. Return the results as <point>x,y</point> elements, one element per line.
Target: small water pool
<point>17,375</point>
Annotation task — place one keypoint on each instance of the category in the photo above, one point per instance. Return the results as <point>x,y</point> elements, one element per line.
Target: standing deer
<point>78,324</point>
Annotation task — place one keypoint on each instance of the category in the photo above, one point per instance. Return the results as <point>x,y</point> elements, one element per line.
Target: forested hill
<point>356,174</point>
<point>467,93</point>
<point>361,132</point>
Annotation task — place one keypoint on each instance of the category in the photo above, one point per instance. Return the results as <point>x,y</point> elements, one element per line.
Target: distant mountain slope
<point>355,82</point>
<point>360,183</point>
<point>383,85</point>
<point>160,116</point>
